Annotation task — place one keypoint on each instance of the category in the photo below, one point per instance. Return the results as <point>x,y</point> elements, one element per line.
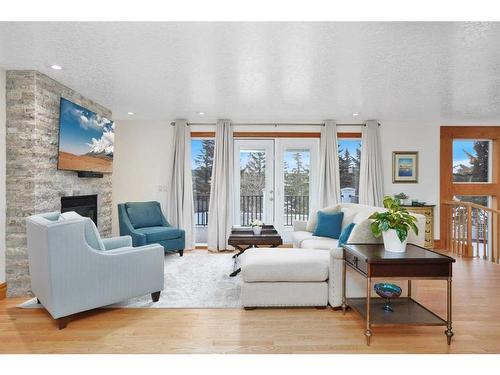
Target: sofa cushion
<point>320,243</point>
<point>144,214</point>
<point>313,218</point>
<point>159,233</point>
<point>299,236</point>
<point>275,265</point>
<point>329,224</point>
<point>346,232</point>
<point>362,233</point>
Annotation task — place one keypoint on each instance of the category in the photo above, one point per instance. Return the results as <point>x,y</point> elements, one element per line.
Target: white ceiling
<point>448,72</point>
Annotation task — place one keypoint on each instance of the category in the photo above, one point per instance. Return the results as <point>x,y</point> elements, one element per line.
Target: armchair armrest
<point>117,242</point>
<point>299,225</point>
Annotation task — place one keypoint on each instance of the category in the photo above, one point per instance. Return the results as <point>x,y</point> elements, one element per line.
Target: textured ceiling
<point>448,72</point>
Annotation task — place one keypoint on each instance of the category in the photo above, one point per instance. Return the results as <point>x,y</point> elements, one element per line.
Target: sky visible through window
<point>351,144</point>
<point>196,148</point>
<point>459,148</point>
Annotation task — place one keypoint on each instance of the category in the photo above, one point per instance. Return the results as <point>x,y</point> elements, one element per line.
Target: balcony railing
<point>472,230</point>
<point>201,209</point>
<point>296,207</point>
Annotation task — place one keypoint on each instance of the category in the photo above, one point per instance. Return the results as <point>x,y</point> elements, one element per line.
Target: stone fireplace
<point>84,205</point>
<point>33,182</point>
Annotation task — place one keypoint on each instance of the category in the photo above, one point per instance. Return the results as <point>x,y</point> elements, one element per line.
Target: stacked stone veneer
<point>33,183</point>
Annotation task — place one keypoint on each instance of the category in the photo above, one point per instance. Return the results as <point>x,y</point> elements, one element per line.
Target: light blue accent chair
<point>73,270</point>
<point>145,223</point>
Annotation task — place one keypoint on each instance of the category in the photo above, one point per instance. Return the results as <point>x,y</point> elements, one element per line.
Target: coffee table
<point>243,238</point>
<point>373,262</point>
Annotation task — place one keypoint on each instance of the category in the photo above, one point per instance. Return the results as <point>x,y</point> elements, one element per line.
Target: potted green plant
<point>257,226</point>
<point>394,225</point>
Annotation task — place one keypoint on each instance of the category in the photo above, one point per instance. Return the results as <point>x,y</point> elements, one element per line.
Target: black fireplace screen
<point>84,205</point>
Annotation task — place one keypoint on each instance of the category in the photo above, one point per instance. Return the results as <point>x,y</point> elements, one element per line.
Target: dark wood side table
<point>243,238</point>
<point>374,263</point>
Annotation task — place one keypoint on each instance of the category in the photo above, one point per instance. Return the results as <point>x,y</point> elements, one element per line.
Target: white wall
<point>424,138</point>
<point>140,165</point>
<point>142,152</point>
<point>2,174</point>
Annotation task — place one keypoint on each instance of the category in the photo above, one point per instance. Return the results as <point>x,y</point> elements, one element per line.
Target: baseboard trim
<point>3,290</point>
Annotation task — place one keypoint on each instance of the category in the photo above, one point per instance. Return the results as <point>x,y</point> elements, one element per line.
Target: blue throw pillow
<point>344,236</point>
<point>329,224</point>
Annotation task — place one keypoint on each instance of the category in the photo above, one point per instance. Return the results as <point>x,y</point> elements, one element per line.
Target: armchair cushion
<point>144,214</point>
<point>158,233</point>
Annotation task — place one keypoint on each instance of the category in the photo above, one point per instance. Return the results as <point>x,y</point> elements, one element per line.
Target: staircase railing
<point>472,230</point>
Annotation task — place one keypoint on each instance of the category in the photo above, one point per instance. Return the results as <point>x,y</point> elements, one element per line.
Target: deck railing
<point>472,230</point>
<point>296,207</point>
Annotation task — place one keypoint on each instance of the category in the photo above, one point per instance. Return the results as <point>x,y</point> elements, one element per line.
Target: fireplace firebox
<point>84,205</point>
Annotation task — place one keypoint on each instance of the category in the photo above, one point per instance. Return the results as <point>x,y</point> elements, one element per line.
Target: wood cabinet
<point>428,212</point>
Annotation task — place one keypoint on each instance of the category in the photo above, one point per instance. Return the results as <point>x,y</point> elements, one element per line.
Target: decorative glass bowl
<point>387,291</point>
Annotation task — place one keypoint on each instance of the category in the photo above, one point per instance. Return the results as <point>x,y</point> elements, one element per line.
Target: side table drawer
<point>355,262</point>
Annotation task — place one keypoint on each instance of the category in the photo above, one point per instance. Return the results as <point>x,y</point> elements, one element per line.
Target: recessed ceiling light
<point>130,113</point>
<point>56,67</point>
<point>355,114</point>
<point>201,113</point>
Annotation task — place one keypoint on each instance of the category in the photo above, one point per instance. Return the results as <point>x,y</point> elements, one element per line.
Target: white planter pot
<point>392,242</point>
<point>257,230</point>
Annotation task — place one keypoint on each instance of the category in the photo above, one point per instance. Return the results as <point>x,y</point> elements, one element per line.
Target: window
<point>202,157</point>
<point>471,160</point>
<point>349,160</point>
<point>296,175</point>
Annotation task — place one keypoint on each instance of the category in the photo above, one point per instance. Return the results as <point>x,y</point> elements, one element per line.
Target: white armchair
<point>73,270</point>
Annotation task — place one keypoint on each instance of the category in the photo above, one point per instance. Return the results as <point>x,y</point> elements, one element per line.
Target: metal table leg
<point>368,332</point>
<point>237,270</point>
<point>448,332</point>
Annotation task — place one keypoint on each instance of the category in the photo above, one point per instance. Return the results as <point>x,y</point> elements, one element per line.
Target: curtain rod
<point>270,124</point>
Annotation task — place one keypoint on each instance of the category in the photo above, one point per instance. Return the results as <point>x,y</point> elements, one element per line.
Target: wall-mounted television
<point>86,140</point>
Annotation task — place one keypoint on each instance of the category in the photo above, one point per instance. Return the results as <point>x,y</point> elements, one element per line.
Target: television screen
<point>85,140</point>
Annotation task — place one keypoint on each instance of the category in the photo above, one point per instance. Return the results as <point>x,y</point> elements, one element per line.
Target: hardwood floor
<point>476,323</point>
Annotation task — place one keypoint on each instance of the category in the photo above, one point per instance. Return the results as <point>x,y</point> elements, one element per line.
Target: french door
<point>275,181</point>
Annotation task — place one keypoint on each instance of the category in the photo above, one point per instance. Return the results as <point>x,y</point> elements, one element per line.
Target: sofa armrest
<point>299,225</point>
<point>117,242</point>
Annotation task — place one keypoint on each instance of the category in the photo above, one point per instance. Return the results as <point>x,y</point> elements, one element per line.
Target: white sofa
<point>264,287</point>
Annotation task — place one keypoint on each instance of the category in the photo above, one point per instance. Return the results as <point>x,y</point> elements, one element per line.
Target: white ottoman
<point>284,277</point>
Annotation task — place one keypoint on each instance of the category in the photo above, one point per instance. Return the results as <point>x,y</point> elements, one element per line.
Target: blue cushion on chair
<point>144,214</point>
<point>346,232</point>
<point>154,234</point>
<point>329,224</point>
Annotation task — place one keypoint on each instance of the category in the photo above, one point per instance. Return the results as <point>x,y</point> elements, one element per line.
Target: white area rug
<point>199,279</point>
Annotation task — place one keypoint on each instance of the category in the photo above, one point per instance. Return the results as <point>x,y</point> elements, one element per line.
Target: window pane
<point>470,160</point>
<point>252,185</point>
<point>349,159</point>
<point>296,167</point>
<point>202,157</point>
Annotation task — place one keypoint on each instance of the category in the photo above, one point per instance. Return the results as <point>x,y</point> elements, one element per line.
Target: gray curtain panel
<point>220,212</point>
<point>371,178</point>
<point>329,178</point>
<point>180,203</point>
